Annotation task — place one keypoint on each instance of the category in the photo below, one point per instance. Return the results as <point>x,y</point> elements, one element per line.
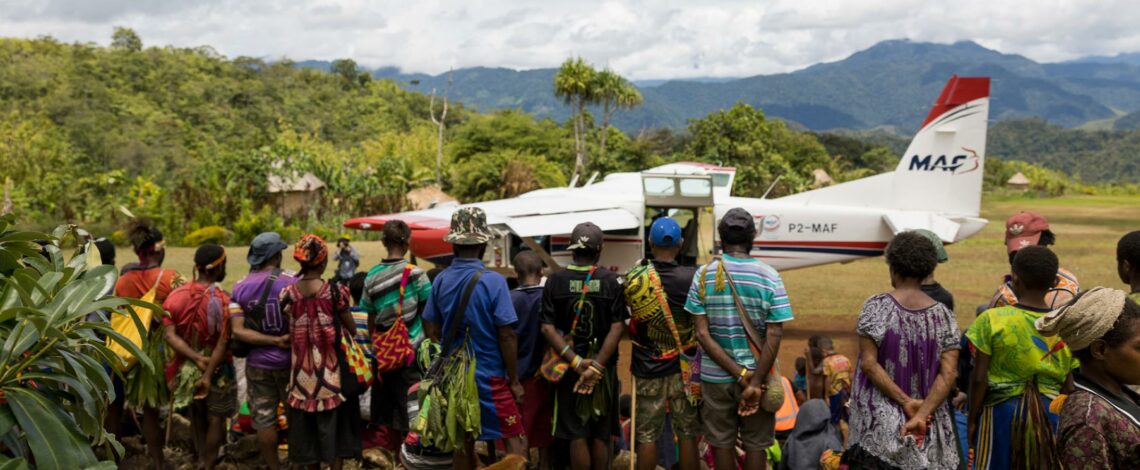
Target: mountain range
<point>890,84</point>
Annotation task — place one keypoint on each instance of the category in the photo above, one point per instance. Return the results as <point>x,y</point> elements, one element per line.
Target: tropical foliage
<point>54,390</point>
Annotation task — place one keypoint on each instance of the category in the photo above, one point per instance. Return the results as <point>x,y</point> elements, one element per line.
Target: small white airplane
<point>936,186</point>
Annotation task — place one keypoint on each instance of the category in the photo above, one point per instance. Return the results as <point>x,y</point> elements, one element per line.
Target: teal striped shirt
<point>762,292</point>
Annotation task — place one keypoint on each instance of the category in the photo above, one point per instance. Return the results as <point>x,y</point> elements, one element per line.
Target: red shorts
<point>538,412</point>
<point>504,412</point>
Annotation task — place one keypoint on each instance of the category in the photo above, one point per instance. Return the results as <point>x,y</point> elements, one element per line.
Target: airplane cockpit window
<point>696,188</point>
<point>662,186</point>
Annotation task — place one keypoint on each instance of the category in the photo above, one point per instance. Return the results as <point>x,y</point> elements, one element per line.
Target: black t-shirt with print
<point>651,335</point>
<point>604,306</point>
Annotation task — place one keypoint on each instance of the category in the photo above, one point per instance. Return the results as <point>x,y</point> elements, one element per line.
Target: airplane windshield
<point>695,188</point>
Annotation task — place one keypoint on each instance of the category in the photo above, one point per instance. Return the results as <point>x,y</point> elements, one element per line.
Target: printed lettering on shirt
<point>576,285</point>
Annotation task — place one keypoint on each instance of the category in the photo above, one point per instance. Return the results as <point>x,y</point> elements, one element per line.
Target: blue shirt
<point>489,308</point>
<point>531,344</point>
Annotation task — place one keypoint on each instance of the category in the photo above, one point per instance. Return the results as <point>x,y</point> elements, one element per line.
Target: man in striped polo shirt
<point>380,298</point>
<point>732,377</point>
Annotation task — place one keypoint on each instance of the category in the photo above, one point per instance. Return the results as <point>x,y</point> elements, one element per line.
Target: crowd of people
<point>442,359</point>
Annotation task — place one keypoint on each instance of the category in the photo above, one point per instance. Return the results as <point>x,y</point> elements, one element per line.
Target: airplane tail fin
<point>941,171</point>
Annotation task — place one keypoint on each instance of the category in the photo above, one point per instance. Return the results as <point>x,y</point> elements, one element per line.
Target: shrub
<point>211,234</point>
<point>55,389</point>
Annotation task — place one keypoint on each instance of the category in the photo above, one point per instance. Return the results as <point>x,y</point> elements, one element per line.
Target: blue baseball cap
<point>665,233</point>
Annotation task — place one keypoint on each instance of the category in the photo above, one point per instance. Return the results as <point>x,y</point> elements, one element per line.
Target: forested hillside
<point>890,84</point>
<point>190,138</point>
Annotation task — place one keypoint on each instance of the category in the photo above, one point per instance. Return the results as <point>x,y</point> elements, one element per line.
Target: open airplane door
<point>689,200</point>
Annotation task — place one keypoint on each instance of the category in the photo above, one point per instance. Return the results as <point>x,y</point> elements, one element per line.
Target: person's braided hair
<point>911,255</point>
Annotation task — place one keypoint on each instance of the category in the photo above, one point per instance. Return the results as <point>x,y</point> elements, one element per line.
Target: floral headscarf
<point>310,250</point>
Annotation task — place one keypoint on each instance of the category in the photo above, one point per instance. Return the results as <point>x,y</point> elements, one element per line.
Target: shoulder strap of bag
<point>659,289</point>
<point>408,267</point>
<point>578,307</point>
<point>461,310</point>
<point>745,320</point>
<point>266,288</point>
<point>157,281</point>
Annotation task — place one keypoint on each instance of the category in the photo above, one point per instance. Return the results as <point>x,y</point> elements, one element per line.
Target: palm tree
<point>613,92</point>
<point>574,83</point>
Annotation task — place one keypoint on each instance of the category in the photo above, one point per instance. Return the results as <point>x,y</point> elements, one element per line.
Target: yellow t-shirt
<point>837,369</point>
<point>1018,352</point>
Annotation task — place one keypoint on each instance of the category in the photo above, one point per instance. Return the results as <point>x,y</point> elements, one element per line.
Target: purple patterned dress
<point>911,343</point>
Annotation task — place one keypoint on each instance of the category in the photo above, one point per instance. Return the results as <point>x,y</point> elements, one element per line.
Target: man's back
<point>762,293</point>
<point>247,293</point>
<point>381,296</point>
<point>488,308</point>
<point>603,306</point>
<point>655,347</point>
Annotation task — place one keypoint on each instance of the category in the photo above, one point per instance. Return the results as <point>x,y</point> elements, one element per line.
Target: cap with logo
<point>586,236</point>
<point>468,227</point>
<point>937,241</point>
<point>1024,229</point>
<point>665,233</point>
<point>264,246</point>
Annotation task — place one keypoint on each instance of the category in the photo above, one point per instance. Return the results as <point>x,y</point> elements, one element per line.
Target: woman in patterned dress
<point>908,357</point>
<point>324,424</point>
<point>1100,422</point>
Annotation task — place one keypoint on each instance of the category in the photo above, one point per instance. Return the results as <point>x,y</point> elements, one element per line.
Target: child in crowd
<point>799,381</point>
<point>836,383</point>
<point>538,411</point>
<point>1018,371</point>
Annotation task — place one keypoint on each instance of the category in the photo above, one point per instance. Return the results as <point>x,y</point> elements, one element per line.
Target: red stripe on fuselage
<point>827,244</point>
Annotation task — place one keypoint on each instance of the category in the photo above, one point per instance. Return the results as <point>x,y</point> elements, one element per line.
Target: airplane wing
<point>606,219</point>
<point>427,219</point>
<point>545,213</point>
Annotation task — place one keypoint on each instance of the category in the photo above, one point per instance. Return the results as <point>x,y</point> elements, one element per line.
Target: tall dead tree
<point>440,124</point>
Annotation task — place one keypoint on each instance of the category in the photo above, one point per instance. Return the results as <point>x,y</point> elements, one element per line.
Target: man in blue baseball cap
<point>662,334</point>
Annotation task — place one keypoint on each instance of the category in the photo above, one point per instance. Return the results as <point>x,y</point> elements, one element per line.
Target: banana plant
<point>54,388</point>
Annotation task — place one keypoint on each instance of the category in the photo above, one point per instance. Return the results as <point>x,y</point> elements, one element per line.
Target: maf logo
<point>958,164</point>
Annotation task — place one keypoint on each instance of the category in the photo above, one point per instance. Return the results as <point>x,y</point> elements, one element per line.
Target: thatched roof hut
<point>1018,182</point>
<point>821,178</point>
<point>427,197</point>
<point>293,195</point>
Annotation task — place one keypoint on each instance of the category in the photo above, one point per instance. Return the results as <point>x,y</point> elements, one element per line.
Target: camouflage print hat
<point>468,227</point>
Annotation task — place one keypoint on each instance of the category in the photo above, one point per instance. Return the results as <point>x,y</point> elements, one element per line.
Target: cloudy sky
<point>640,39</point>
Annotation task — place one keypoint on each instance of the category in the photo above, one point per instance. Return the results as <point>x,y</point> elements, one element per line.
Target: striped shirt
<point>382,293</point>
<point>762,292</point>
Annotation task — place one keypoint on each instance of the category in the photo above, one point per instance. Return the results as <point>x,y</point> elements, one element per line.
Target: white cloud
<point>639,38</point>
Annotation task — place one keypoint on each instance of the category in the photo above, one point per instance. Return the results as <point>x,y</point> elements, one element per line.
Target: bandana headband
<point>217,262</point>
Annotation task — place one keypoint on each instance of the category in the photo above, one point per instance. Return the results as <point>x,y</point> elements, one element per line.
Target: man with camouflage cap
<point>488,320</point>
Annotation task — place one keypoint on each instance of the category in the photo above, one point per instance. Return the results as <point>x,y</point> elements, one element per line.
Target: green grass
<point>1087,230</point>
